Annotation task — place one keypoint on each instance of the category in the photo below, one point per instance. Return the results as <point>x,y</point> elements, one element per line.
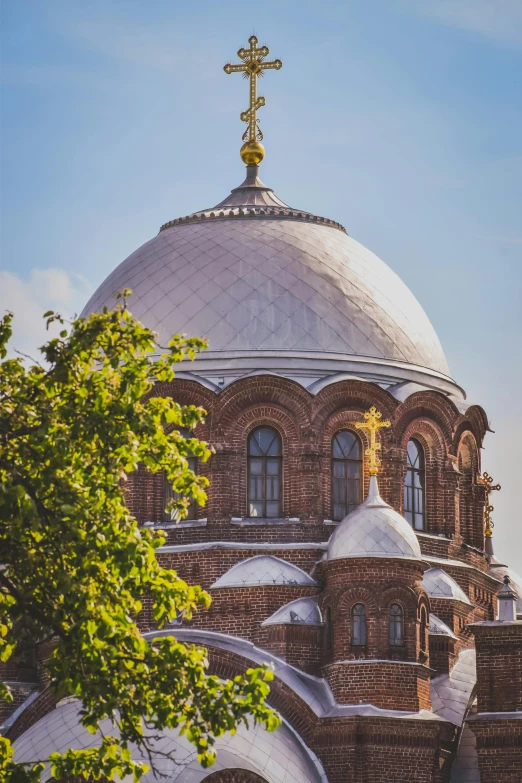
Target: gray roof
<point>451,693</point>
<point>439,584</point>
<point>264,570</point>
<point>499,571</point>
<point>373,529</point>
<point>439,628</point>
<point>278,291</point>
<point>302,611</point>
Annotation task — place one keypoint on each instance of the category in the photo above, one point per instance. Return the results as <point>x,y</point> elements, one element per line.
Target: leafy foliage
<point>76,564</point>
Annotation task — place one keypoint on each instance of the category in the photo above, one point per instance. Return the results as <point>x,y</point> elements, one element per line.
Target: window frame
<point>359,618</point>
<point>344,460</point>
<point>414,514</point>
<point>396,620</point>
<point>264,459</point>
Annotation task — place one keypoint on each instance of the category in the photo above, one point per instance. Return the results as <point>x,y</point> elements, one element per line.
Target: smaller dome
<point>439,584</point>
<point>438,628</point>
<point>499,571</point>
<point>264,570</point>
<point>374,529</point>
<point>302,611</point>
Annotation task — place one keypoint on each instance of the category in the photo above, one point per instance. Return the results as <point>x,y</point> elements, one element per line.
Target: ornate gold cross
<point>487,482</point>
<point>372,422</point>
<point>253,66</point>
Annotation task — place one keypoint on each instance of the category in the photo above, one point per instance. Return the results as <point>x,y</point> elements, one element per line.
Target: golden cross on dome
<point>372,422</point>
<point>487,482</point>
<point>253,65</point>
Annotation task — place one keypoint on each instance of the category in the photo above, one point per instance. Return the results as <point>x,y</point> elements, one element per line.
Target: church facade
<point>344,538</point>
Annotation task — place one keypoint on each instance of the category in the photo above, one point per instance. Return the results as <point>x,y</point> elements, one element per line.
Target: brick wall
<point>307,425</point>
<point>299,645</point>
<point>499,666</point>
<point>391,685</point>
<point>499,749</point>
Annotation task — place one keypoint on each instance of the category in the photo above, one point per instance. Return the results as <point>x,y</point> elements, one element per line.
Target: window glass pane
<point>408,495</point>
<point>255,509</point>
<point>256,467</point>
<point>358,625</point>
<point>272,509</point>
<point>272,488</point>
<point>272,466</point>
<point>346,445</point>
<point>265,440</point>
<point>346,474</point>
<point>413,454</point>
<point>256,488</point>
<point>396,625</point>
<point>339,470</point>
<point>264,487</point>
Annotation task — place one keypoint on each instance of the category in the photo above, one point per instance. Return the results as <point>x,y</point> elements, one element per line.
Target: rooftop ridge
<point>253,212</point>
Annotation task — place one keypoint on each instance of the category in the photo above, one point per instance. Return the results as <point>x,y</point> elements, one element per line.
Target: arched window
<point>328,630</point>
<point>264,473</point>
<point>358,625</point>
<point>396,625</point>
<point>346,473</point>
<point>423,629</point>
<point>171,494</point>
<point>414,484</point>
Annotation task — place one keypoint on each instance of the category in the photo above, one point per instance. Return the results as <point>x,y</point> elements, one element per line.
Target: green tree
<point>76,565</point>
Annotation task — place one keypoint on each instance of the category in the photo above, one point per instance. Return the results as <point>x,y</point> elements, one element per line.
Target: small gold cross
<point>372,422</point>
<point>252,67</point>
<point>487,482</point>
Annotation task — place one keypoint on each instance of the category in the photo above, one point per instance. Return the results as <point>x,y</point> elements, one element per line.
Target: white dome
<point>439,628</point>
<point>374,529</point>
<point>263,570</point>
<point>279,756</point>
<point>302,611</point>
<point>279,290</point>
<point>439,584</point>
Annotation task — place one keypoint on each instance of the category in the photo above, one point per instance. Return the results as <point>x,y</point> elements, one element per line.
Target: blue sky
<point>402,120</point>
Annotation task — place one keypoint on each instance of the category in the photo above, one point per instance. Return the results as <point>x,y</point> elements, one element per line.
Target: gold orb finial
<point>252,66</point>
<point>252,153</point>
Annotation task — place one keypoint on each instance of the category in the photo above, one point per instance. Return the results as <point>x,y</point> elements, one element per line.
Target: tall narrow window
<point>414,484</point>
<point>358,625</point>
<point>396,625</point>
<point>423,629</point>
<point>346,473</point>
<point>328,630</point>
<point>264,473</point>
<point>171,494</point>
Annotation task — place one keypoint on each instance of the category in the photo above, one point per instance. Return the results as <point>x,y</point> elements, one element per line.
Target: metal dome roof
<point>302,611</point>
<point>277,289</point>
<point>439,584</point>
<point>373,529</point>
<point>263,570</point>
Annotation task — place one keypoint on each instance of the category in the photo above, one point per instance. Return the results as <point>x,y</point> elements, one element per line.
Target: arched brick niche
<point>234,776</point>
<point>307,425</point>
<point>337,422</point>
<point>230,494</point>
<point>470,493</point>
<point>439,475</point>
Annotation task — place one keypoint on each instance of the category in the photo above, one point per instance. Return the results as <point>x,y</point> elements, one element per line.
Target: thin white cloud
<point>46,289</point>
<point>498,20</point>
